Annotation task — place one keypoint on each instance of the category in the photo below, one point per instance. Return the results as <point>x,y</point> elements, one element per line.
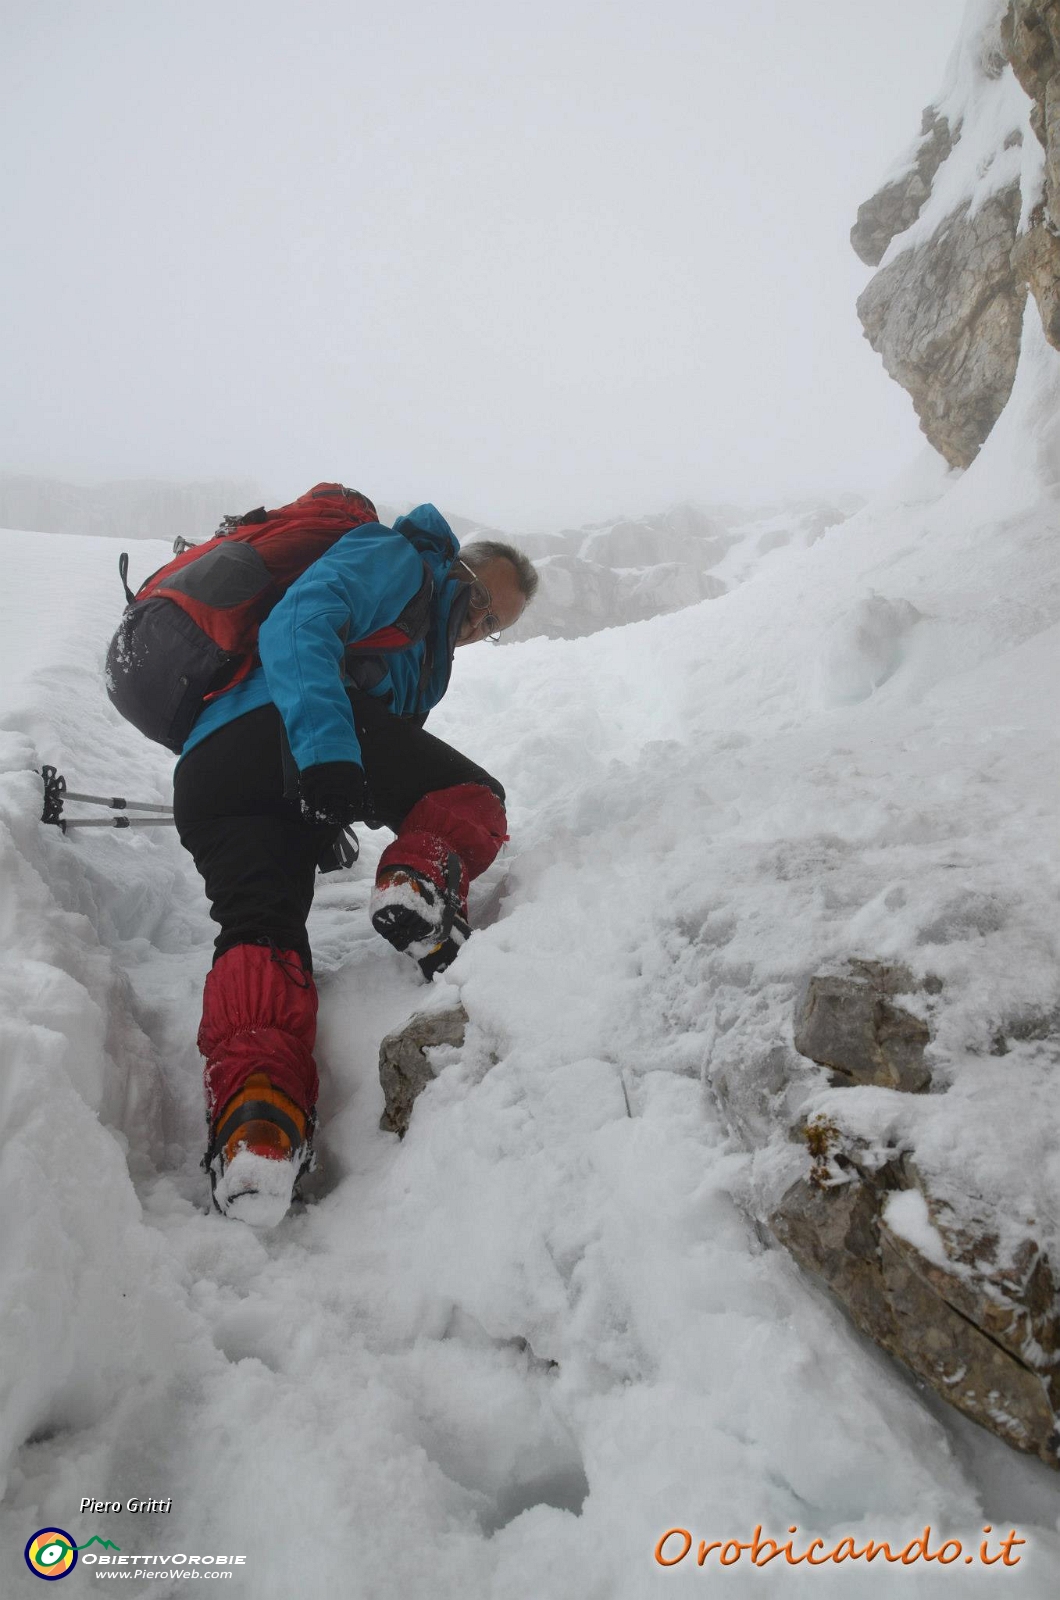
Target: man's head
<point>502,581</point>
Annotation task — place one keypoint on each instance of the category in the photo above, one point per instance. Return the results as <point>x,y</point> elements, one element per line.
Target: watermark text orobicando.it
<point>676,1545</point>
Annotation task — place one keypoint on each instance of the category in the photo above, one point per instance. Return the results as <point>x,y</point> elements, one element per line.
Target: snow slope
<point>503,1357</point>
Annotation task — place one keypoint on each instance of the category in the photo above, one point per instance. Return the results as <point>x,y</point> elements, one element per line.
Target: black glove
<point>333,793</point>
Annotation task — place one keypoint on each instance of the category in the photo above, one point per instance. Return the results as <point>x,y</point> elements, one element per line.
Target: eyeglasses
<point>482,600</point>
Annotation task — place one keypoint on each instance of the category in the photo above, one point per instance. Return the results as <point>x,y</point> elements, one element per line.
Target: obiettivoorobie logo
<point>51,1553</point>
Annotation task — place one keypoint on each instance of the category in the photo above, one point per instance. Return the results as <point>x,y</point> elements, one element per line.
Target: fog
<point>538,264</point>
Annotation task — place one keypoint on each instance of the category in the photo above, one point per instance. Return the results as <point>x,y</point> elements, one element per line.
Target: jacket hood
<point>427,530</point>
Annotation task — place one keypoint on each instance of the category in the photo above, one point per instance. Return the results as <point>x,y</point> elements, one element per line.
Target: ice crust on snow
<point>502,1357</point>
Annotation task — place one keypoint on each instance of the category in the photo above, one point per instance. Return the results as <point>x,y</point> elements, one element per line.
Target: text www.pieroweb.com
<point>185,1574</point>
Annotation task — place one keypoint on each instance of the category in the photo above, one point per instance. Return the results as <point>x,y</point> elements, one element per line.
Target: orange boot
<point>259,1147</point>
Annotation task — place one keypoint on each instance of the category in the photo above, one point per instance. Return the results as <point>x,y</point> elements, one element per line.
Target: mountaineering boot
<point>418,918</point>
<point>259,1147</point>
<point>257,1034</point>
<point>419,903</point>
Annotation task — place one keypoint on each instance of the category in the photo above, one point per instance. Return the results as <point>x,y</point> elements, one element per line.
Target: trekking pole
<point>56,793</point>
<point>115,822</point>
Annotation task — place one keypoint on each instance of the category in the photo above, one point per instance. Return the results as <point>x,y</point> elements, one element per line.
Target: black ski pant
<point>237,813</point>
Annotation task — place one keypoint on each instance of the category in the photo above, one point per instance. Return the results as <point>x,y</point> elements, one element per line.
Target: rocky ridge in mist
<point>134,508</point>
<point>598,576</point>
<point>607,574</point>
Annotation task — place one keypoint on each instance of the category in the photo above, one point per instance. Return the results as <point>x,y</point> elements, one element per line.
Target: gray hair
<point>482,550</point>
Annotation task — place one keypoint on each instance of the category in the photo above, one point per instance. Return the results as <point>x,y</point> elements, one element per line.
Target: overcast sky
<point>537,262</point>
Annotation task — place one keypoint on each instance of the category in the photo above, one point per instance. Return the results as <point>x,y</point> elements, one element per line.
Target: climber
<point>328,730</point>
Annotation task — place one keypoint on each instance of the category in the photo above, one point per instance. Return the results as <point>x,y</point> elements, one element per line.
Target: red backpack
<point>190,632</point>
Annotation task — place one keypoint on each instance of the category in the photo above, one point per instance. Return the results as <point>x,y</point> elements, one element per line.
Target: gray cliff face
<point>1030,34</point>
<point>946,313</point>
<point>946,318</point>
<point>1030,37</point>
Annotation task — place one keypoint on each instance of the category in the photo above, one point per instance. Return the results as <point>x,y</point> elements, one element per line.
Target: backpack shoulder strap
<point>123,573</point>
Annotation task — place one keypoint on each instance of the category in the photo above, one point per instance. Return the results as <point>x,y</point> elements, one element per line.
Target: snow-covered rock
<point>945,308</point>
<point>985,1338</point>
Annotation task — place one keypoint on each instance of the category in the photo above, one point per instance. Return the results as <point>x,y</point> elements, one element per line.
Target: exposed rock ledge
<point>977,1322</point>
<point>983,1335</point>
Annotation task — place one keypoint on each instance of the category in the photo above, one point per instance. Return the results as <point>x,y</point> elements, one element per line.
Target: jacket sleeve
<point>361,584</point>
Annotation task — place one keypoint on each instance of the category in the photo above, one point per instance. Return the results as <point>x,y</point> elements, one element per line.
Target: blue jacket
<point>362,584</point>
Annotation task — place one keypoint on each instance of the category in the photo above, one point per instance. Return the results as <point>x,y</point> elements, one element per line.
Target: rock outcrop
<point>946,318</point>
<point>984,1338</point>
<point>405,1067</point>
<point>1030,38</point>
<point>945,309</point>
<point>851,1022</point>
<point>977,1320</point>
<point>896,206</point>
